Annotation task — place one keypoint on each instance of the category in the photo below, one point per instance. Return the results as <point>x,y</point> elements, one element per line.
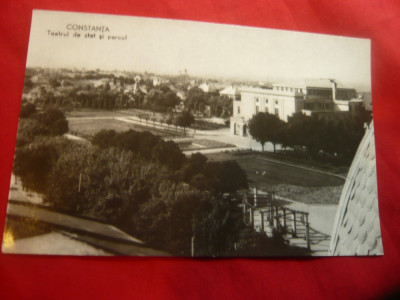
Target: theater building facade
<point>284,99</point>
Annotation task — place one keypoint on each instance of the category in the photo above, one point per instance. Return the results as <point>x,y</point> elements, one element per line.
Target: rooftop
<point>312,83</point>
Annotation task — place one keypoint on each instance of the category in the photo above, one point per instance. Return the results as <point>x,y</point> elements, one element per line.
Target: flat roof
<point>312,83</point>
<point>257,90</point>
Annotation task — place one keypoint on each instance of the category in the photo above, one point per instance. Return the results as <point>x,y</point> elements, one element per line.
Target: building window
<point>266,109</point>
<point>276,102</point>
<point>257,109</point>
<point>238,110</point>
<point>266,101</point>
<point>256,99</point>
<point>277,112</point>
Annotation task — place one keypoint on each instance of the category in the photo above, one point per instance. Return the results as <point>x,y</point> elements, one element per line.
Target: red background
<point>41,277</point>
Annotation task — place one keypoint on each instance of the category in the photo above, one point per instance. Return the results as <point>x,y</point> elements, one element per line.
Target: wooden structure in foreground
<point>268,215</point>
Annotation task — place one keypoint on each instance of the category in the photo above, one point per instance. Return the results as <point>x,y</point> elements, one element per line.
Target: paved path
<point>208,151</point>
<point>319,239</point>
<point>321,219</point>
<point>76,138</point>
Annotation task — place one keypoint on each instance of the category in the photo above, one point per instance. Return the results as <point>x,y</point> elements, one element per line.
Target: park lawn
<point>89,127</point>
<point>298,184</point>
<point>85,113</point>
<point>287,180</point>
<point>266,172</point>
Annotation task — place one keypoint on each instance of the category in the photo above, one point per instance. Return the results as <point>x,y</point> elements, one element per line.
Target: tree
<point>27,110</point>
<point>105,138</point>
<point>168,154</point>
<point>33,165</point>
<point>265,127</point>
<point>51,122</point>
<point>59,127</point>
<point>29,128</point>
<point>196,100</point>
<point>28,84</point>
<point>218,228</point>
<point>194,165</point>
<point>54,120</point>
<point>166,221</point>
<point>221,106</point>
<point>225,177</point>
<point>144,144</point>
<point>161,99</point>
<point>54,82</point>
<point>185,119</point>
<point>305,131</point>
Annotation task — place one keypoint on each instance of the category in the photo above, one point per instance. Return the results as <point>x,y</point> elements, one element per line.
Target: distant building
<point>231,92</point>
<point>204,87</point>
<point>210,87</point>
<point>157,81</point>
<point>321,97</point>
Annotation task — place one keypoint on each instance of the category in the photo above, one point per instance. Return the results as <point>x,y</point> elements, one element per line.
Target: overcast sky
<point>170,46</point>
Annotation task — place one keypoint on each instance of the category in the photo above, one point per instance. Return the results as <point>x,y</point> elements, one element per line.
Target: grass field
<point>296,183</point>
<point>87,123</point>
<point>273,173</point>
<point>95,113</point>
<point>89,127</point>
<point>291,182</point>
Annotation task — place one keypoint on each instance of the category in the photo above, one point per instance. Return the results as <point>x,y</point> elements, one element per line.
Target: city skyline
<point>205,49</point>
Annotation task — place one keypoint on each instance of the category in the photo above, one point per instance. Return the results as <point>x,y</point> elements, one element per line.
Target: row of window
<point>267,111</point>
<point>258,110</point>
<point>320,92</point>
<point>266,101</point>
<point>287,89</point>
<point>258,107</point>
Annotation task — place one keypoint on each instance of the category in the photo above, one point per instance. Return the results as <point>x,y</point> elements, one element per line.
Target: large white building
<point>284,99</point>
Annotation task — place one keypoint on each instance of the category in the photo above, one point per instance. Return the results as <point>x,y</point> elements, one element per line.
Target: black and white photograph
<point>157,137</point>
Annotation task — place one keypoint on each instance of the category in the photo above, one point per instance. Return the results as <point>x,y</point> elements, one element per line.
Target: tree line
<point>317,137</point>
<point>199,101</point>
<point>141,184</point>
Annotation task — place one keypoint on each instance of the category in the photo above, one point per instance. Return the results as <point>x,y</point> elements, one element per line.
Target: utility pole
<point>80,182</point>
<point>192,246</point>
